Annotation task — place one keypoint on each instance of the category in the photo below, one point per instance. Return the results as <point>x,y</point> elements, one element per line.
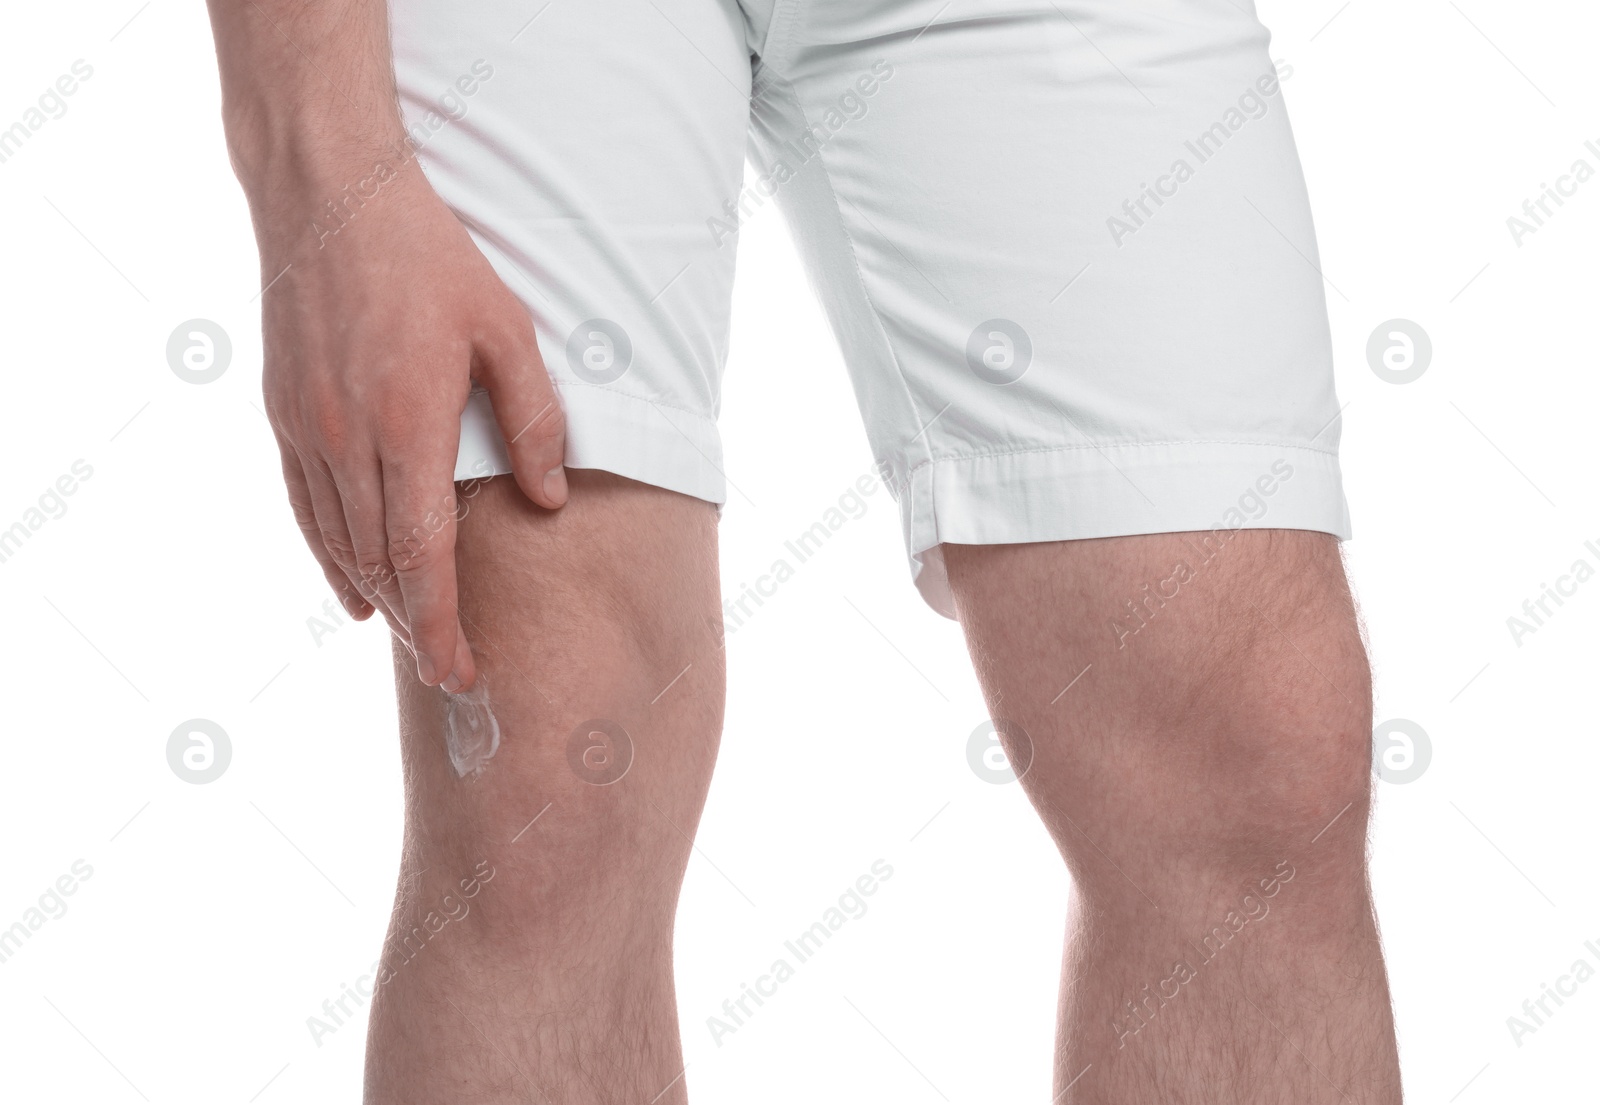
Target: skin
<point>1192,766</point>
<point>1220,750</point>
<point>556,985</point>
<point>1206,780</point>
<point>372,336</point>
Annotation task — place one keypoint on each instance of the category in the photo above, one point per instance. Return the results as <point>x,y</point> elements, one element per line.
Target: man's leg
<point>1206,778</point>
<point>530,954</point>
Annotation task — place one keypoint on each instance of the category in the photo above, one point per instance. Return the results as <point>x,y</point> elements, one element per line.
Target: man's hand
<point>372,344</point>
<point>373,336</point>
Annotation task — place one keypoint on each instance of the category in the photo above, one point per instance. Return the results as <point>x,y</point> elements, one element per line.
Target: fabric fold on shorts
<point>664,446</point>
<point>1088,491</point>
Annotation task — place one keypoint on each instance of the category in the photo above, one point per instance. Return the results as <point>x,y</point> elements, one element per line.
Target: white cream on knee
<point>471,733</point>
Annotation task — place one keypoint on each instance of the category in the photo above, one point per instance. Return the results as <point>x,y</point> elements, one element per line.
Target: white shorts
<point>1064,244</point>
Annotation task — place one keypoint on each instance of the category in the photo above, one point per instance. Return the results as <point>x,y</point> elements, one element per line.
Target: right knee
<point>590,626</point>
<point>592,798</point>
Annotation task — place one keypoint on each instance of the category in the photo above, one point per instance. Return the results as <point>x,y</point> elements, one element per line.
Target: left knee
<point>1227,765</point>
<point>1274,778</point>
<point>1233,732</point>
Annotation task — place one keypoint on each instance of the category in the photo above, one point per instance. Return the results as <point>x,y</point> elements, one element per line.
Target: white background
<point>219,917</point>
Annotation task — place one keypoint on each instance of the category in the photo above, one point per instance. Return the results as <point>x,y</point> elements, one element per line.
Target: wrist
<point>276,153</point>
<point>310,189</point>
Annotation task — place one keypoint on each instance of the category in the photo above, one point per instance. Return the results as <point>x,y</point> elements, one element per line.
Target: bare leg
<point>530,954</point>
<point>1207,782</point>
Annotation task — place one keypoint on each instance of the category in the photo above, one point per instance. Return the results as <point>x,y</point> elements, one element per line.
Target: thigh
<point>1068,249</point>
<point>594,628</point>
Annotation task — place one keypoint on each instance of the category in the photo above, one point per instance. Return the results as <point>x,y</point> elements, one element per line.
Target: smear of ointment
<point>471,733</point>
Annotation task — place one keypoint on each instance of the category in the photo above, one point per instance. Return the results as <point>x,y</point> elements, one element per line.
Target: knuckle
<point>377,577</point>
<point>339,547</point>
<point>273,409</point>
<point>305,517</point>
<point>504,315</point>
<point>549,424</point>
<point>397,415</point>
<point>416,550</point>
<point>327,428</point>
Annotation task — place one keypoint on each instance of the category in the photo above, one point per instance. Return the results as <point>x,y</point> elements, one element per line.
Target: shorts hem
<point>1077,493</point>
<point>666,447</point>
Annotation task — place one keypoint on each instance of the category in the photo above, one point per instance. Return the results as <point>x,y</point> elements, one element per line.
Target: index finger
<point>420,516</point>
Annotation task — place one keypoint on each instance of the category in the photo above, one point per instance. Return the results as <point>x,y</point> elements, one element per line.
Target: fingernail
<point>452,683</point>
<point>555,484</point>
<point>425,669</point>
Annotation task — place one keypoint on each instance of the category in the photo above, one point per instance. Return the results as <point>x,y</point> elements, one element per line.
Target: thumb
<point>527,410</point>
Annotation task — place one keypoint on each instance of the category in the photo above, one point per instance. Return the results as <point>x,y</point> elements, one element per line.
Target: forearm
<point>308,102</point>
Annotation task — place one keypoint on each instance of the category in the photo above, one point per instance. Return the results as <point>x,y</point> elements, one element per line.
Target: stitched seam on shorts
<point>861,283</point>
<point>609,390</point>
<point>1120,445</point>
<point>780,34</point>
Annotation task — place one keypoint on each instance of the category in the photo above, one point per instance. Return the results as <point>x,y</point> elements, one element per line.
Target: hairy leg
<point>1206,778</point>
<point>529,958</point>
